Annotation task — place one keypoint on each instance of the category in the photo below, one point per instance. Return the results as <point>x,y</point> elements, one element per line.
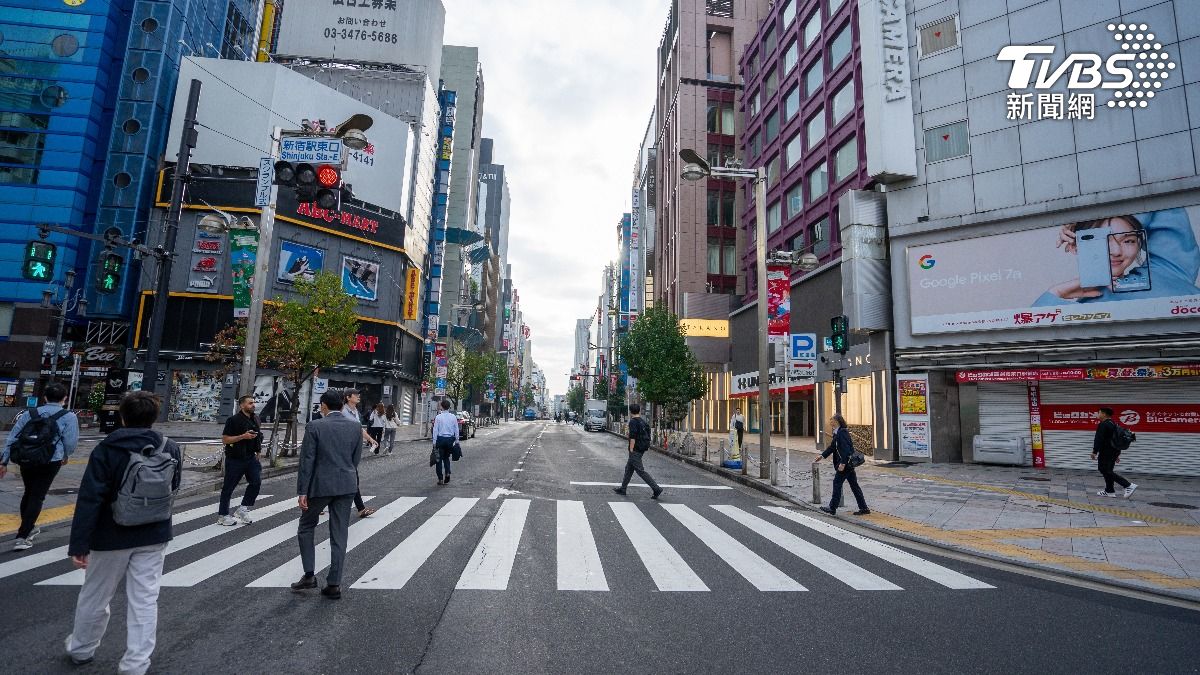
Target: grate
<point>1174,505</point>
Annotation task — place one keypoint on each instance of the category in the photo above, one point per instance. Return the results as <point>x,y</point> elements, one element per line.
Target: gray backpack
<point>147,492</point>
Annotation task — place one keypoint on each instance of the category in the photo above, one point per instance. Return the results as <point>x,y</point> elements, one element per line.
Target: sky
<point>569,87</point>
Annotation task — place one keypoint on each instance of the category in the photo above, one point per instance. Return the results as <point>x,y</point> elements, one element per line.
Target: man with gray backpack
<point>120,531</point>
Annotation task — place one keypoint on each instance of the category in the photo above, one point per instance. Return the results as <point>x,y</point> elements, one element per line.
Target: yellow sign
<point>73,3</point>
<point>412,300</point>
<point>704,327</point>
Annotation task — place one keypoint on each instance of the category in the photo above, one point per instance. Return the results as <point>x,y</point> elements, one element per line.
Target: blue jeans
<point>235,469</point>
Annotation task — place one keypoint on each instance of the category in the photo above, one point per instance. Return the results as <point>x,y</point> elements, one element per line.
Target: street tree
<point>298,338</point>
<point>576,399</point>
<point>656,354</point>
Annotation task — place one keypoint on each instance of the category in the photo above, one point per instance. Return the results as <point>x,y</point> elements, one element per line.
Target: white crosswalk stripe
<point>665,565</point>
<point>492,562</point>
<point>932,571</point>
<point>579,566</point>
<point>761,574</point>
<point>402,563</point>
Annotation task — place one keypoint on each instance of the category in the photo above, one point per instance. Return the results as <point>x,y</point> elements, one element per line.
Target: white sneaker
<point>22,544</point>
<point>1102,493</point>
<point>227,520</point>
<point>37,530</point>
<point>1129,490</point>
<point>243,515</point>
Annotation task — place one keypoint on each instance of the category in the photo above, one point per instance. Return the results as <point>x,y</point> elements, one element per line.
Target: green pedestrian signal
<point>39,261</point>
<point>110,272</point>
<point>840,326</point>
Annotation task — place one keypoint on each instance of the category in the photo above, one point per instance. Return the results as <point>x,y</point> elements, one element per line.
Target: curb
<point>767,488</point>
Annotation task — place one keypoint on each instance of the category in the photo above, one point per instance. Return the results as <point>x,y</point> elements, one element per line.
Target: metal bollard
<point>816,482</point>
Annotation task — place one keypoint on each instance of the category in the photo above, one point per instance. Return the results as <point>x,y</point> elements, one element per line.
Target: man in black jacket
<point>1107,456</point>
<point>111,552</point>
<point>639,443</point>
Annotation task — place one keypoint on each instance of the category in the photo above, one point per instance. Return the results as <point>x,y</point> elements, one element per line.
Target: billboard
<point>779,303</point>
<point>297,261</point>
<point>360,278</point>
<point>1135,267</point>
<point>394,32</point>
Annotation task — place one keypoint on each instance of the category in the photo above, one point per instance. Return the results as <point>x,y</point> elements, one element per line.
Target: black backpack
<point>1122,438</point>
<point>38,439</point>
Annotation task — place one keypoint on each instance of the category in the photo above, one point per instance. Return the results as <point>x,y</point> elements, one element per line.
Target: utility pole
<point>258,292</point>
<point>187,141</point>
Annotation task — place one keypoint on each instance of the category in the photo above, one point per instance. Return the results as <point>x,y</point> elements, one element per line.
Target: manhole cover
<point>1042,479</point>
<point>63,491</point>
<point>1174,505</point>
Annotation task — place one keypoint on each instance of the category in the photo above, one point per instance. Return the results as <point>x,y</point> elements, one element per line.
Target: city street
<point>528,563</point>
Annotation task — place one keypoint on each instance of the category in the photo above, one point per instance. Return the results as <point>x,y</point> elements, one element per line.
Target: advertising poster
<point>1131,267</point>
<point>297,261</point>
<point>1037,441</point>
<point>913,402</point>
<point>360,278</point>
<point>913,396</point>
<point>195,396</point>
<point>779,303</point>
<point>243,251</point>
<point>914,438</point>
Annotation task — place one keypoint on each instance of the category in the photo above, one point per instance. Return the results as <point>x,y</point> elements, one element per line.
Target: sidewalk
<point>1050,519</point>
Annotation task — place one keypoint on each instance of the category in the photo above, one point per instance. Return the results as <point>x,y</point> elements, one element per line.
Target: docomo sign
<point>1167,418</point>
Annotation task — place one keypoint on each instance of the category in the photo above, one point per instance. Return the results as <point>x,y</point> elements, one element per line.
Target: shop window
<point>938,36</point>
<point>813,78</point>
<point>843,101</point>
<point>818,182</point>
<point>947,142</point>
<point>814,129</point>
<point>839,48</point>
<point>845,161</point>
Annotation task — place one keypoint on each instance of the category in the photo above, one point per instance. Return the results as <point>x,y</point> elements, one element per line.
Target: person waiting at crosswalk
<point>842,447</point>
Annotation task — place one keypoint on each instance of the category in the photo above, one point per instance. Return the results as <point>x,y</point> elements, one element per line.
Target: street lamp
<point>694,169</point>
<point>70,302</point>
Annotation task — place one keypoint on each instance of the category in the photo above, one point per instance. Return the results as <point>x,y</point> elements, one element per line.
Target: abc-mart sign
<point>1133,75</point>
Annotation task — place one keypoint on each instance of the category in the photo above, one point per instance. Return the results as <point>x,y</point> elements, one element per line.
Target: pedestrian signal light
<point>40,257</point>
<point>111,265</point>
<point>840,326</point>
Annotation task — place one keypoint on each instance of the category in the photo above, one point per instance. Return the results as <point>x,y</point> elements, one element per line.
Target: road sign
<point>310,150</point>
<point>804,354</point>
<point>828,345</point>
<point>266,176</point>
<point>439,387</point>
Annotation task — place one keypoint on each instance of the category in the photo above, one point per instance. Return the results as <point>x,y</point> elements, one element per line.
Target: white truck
<point>595,416</point>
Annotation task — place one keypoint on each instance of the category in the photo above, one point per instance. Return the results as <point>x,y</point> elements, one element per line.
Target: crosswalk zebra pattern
<point>750,542</point>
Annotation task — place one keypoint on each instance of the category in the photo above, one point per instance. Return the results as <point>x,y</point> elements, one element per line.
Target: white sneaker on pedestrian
<point>37,530</point>
<point>227,520</point>
<point>243,515</point>
<point>22,544</point>
<point>1129,490</point>
<point>1102,493</point>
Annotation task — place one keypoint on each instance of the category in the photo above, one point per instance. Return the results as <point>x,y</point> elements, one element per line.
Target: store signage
<point>1167,418</point>
<point>745,385</point>
<point>1035,427</point>
<point>412,293</point>
<point>704,327</point>
<point>887,89</point>
<point>1099,373</point>
<point>364,343</point>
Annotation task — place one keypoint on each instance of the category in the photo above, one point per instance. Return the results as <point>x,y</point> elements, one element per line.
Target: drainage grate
<point>1174,505</point>
<point>1042,479</point>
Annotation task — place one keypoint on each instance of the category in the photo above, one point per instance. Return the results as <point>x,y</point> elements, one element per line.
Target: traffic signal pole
<point>187,141</point>
<point>262,263</point>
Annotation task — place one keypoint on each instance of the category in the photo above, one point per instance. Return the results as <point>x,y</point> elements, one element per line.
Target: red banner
<point>1166,418</point>
<point>779,303</point>
<point>1038,449</point>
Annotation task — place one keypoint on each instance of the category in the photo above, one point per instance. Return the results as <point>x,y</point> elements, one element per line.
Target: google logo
<point>926,262</point>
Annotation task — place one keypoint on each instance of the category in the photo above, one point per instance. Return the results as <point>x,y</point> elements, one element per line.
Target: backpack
<point>1122,438</point>
<point>738,426</point>
<point>38,439</point>
<point>147,490</point>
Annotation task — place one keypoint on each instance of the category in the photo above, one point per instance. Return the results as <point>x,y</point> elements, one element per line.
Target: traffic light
<point>300,177</point>
<point>40,257</point>
<point>109,278</point>
<point>840,326</point>
<point>329,182</point>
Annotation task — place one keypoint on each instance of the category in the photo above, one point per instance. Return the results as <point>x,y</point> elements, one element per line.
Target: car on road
<point>466,425</point>
<point>530,414</point>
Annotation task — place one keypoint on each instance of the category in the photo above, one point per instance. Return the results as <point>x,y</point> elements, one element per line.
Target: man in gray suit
<point>328,477</point>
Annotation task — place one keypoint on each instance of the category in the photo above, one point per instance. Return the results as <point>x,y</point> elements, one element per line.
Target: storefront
<point>800,403</point>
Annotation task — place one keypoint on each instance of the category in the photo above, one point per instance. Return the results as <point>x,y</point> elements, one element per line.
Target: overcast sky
<point>569,87</point>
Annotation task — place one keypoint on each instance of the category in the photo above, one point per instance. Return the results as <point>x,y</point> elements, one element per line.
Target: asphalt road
<point>515,567</point>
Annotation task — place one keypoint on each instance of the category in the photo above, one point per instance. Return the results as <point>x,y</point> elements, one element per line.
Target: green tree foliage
<point>616,399</point>
<point>657,355</point>
<point>576,399</point>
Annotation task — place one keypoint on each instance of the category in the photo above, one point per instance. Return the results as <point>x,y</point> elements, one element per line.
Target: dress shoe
<point>863,512</point>
<point>306,582</point>
<point>828,510</point>
<point>656,493</point>
<point>332,592</point>
<point>620,491</point>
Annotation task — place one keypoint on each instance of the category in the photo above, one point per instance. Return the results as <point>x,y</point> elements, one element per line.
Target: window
<point>719,155</point>
<point>814,129</point>
<point>845,160</point>
<point>818,182</point>
<point>774,217</point>
<point>843,101</point>
<point>791,103</point>
<point>238,34</point>
<point>720,117</point>
<point>794,150</point>
<point>753,66</point>
<point>771,128</point>
<point>819,235</point>
<point>839,48</point>
<point>939,36</point>
<point>719,8</point>
<point>714,207</point>
<point>720,208</point>
<point>714,256</point>
<point>753,106</point>
<point>727,208</point>
<point>772,84</point>
<point>721,256</point>
<point>729,256</point>
<point>946,142</point>
<point>788,13</point>
<point>769,41</point>
<point>795,200</point>
<point>6,318</point>
<point>772,172</point>
<point>812,28</point>
<point>791,57</point>
<point>752,146</point>
<point>813,77</point>
<point>835,5</point>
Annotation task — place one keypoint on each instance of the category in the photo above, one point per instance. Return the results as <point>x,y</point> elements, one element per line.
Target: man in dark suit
<point>328,477</point>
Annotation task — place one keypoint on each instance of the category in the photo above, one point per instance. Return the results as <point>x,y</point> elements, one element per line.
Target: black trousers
<point>847,476</point>
<point>235,470</point>
<point>1107,466</point>
<point>37,479</point>
<point>634,465</point>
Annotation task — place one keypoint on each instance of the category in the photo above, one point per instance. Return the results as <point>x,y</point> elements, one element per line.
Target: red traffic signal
<point>328,176</point>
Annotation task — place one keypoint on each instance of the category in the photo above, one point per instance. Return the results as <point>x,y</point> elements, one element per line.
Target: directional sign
<point>312,150</point>
<point>804,354</point>
<point>266,175</point>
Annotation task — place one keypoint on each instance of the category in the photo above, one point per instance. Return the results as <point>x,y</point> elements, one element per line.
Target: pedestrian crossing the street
<point>596,547</point>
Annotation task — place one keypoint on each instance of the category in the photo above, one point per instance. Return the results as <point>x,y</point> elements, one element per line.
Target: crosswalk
<point>675,546</point>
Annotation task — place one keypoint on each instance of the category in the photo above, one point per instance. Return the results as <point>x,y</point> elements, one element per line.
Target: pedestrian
<point>391,422</point>
<point>327,478</point>
<point>1107,456</point>
<point>109,551</point>
<point>376,424</point>
<point>842,447</point>
<point>737,425</point>
<point>41,442</point>
<point>445,435</point>
<point>639,443</point>
<point>242,437</point>
<point>349,410</point>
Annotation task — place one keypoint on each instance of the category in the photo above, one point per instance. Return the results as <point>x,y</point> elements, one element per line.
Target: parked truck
<point>596,415</point>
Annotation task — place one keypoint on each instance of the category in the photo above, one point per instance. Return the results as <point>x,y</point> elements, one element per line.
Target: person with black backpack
<point>41,442</point>
<point>639,443</point>
<point>1111,438</point>
<point>120,531</point>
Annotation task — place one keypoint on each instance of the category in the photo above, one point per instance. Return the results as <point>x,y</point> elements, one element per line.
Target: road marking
<point>28,562</point>
<point>666,567</point>
<point>398,566</point>
<point>673,487</point>
<point>212,565</point>
<point>365,528</point>
<point>491,564</point>
<point>579,566</point>
<point>934,572</point>
<point>517,470</point>
<point>503,492</point>
<point>761,574</point>
<point>841,569</point>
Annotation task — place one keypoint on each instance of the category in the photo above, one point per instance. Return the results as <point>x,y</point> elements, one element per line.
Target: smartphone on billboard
<point>1091,247</point>
<point>1136,246</point>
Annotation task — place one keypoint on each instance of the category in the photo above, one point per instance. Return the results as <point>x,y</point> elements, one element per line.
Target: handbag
<point>856,460</point>
<point>433,457</point>
<point>456,452</point>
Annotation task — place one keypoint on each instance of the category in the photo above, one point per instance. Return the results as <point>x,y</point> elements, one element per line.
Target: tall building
<point>493,213</point>
<point>583,334</point>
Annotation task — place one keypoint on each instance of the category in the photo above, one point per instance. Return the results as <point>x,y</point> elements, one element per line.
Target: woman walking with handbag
<point>391,422</point>
<point>842,449</point>
<point>376,425</point>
